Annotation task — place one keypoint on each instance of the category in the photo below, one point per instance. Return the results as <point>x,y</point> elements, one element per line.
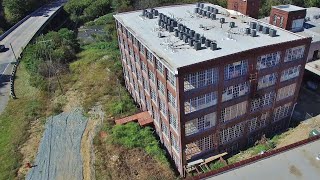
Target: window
<point>171,99</point>
<point>234,111</point>
<point>267,81</point>
<point>161,87</point>
<point>290,73</point>
<point>139,75</point>
<point>200,124</point>
<point>171,78</point>
<point>231,133</point>
<point>263,101</point>
<point>149,57</point>
<point>281,21</point>
<point>200,102</point>
<point>281,112</point>
<point>235,91</point>
<point>160,66</point>
<point>152,77</point>
<point>141,48</point>
<point>137,59</point>
<point>257,122</point>
<point>275,19</point>
<point>236,69</point>
<point>144,67</point>
<point>286,91</point>
<point>173,121</point>
<point>149,107</point>
<point>201,79</point>
<point>165,130</point>
<point>162,107</point>
<point>268,60</point>
<point>294,53</point>
<point>154,96</point>
<point>157,118</point>
<point>199,146</point>
<point>131,51</point>
<point>175,144</point>
<point>146,84</point>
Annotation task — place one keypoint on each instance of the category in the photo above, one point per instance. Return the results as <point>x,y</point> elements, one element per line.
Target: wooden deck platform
<point>142,118</point>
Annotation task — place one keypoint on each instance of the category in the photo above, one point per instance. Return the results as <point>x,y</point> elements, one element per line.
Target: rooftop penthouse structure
<point>214,80</point>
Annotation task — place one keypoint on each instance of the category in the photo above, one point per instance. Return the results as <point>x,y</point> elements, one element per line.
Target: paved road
<point>19,38</point>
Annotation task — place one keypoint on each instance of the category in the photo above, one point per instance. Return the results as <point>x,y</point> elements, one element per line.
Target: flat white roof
<point>229,41</point>
<point>288,7</point>
<point>312,25</point>
<point>298,163</point>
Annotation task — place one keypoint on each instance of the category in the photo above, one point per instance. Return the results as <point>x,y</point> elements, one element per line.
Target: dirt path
<point>95,119</point>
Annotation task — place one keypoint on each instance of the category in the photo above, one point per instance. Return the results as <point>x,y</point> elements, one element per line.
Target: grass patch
<point>131,135</point>
<point>15,122</point>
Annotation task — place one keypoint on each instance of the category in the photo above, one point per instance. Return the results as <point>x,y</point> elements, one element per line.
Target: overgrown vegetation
<point>131,135</point>
<point>15,122</point>
<point>49,56</point>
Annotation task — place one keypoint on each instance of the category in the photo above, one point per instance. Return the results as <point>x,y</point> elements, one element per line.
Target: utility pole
<point>15,57</point>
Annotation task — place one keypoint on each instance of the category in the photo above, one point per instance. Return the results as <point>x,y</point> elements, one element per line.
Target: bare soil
<point>116,162</point>
<point>301,132</point>
<point>30,148</point>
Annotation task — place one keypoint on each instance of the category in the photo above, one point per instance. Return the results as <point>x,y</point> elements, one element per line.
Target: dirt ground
<point>115,162</point>
<point>299,133</point>
<point>30,148</point>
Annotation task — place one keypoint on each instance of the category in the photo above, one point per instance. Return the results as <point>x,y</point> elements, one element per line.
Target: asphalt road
<point>19,38</point>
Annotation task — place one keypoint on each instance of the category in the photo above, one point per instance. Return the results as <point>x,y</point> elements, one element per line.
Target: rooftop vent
<point>213,16</point>
<point>259,27</point>
<point>253,33</point>
<point>213,46</point>
<point>207,43</point>
<point>265,30</point>
<point>247,31</point>
<point>197,45</point>
<point>253,25</point>
<point>160,35</point>
<point>222,20</point>
<point>232,24</point>
<point>196,10</point>
<point>144,12</point>
<point>273,33</point>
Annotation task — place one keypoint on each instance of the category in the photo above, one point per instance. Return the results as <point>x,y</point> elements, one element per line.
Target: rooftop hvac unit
<point>201,11</point>
<point>191,42</point>
<point>191,32</point>
<point>152,10</point>
<point>156,12</point>
<point>232,24</point>
<point>213,16</point>
<point>170,29</point>
<point>208,14</point>
<point>174,23</point>
<point>150,15</point>
<point>176,33</point>
<point>197,36</point>
<point>259,27</point>
<point>207,43</point>
<point>212,9</point>
<point>144,12</point>
<point>159,22</point>
<point>198,4</point>
<point>316,17</point>
<point>187,30</point>
<point>247,31</point>
<point>197,45</point>
<point>183,28</point>
<point>265,30</point>
<point>222,20</point>
<point>202,5</point>
<point>215,11</point>
<point>208,8</point>
<point>203,40</point>
<point>213,46</point>
<point>204,13</point>
<point>253,25</point>
<point>181,35</point>
<point>179,26</point>
<point>185,38</point>
<point>167,27</point>
<point>273,33</point>
<point>196,10</point>
<point>253,33</point>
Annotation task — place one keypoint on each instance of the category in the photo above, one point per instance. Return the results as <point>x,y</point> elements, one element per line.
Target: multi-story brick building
<point>246,7</point>
<point>213,82</point>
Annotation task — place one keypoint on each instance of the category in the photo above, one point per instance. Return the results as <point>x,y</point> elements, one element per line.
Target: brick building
<point>246,7</point>
<point>212,82</point>
<point>289,17</point>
